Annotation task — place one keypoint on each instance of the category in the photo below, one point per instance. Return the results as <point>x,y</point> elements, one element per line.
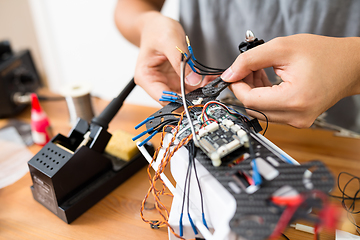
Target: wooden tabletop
<point>117,215</point>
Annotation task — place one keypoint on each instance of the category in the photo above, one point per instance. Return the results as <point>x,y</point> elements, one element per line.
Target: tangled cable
<point>350,208</point>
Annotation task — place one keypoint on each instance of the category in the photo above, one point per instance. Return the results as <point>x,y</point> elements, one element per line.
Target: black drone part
<point>244,46</point>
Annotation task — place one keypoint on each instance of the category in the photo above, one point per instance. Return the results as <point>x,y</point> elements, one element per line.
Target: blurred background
<point>75,41</point>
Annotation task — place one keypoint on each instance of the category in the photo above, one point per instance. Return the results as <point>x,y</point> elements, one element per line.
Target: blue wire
<point>191,64</point>
<point>192,54</point>
<point>256,175</point>
<point>192,224</point>
<point>170,93</point>
<point>286,159</point>
<point>240,113</point>
<point>204,221</point>
<point>148,138</point>
<point>169,97</point>
<point>181,225</point>
<point>166,100</point>
<point>142,134</point>
<point>143,122</point>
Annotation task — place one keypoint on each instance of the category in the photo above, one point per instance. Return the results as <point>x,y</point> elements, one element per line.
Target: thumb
<point>192,79</point>
<point>263,56</point>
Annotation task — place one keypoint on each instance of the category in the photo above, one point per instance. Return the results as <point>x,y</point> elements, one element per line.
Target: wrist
<point>354,52</point>
<point>146,18</point>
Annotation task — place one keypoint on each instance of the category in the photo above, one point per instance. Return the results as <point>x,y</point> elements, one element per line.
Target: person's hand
<point>317,72</point>
<point>158,63</point>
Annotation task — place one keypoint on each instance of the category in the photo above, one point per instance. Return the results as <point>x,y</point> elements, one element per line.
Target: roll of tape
<point>78,99</point>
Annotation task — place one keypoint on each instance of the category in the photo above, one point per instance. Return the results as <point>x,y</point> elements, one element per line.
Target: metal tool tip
<point>249,36</point>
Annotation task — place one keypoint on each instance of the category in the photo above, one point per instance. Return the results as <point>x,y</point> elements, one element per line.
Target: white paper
<point>13,157</point>
<point>341,235</point>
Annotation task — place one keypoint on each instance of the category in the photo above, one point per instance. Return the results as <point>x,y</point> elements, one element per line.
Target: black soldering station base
<point>74,187</point>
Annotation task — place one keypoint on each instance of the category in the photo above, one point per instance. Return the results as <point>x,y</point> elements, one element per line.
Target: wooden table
<point>117,215</point>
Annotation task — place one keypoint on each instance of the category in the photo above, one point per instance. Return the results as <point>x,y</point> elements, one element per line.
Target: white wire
<point>182,82</point>
<point>155,166</point>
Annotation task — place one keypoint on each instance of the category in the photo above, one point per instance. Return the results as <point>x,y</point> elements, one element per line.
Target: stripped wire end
<point>187,40</point>
<point>184,55</point>
<point>181,51</point>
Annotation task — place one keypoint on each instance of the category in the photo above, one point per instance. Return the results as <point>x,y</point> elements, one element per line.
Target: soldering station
<point>70,174</point>
<point>231,181</point>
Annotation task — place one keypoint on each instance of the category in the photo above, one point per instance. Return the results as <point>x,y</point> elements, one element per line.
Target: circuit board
<point>270,188</point>
<point>230,146</point>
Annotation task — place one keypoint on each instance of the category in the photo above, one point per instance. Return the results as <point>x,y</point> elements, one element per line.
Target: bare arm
<point>130,16</point>
<point>158,63</point>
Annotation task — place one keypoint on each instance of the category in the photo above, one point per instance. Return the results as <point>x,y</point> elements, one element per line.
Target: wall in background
<point>79,42</point>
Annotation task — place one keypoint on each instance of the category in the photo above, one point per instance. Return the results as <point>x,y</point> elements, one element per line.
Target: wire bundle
<point>156,192</point>
<point>196,66</point>
<point>191,112</point>
<point>191,164</point>
<point>349,202</point>
<point>156,129</point>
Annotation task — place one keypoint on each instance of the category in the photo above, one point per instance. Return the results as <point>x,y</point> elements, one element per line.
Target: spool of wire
<point>78,100</point>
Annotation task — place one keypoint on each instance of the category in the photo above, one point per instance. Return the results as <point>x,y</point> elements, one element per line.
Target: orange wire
<point>157,193</point>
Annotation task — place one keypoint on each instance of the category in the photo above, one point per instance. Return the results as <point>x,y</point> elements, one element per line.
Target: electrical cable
<point>246,108</point>
<point>183,201</point>
<point>350,209</point>
<point>193,153</point>
<point>192,62</point>
<point>188,197</point>
<point>153,117</point>
<point>182,81</point>
<point>285,236</point>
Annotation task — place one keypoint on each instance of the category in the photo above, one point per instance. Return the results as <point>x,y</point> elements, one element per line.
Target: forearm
<point>131,15</point>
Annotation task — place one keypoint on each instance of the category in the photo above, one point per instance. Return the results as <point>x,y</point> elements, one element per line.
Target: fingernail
<point>193,79</point>
<point>227,74</point>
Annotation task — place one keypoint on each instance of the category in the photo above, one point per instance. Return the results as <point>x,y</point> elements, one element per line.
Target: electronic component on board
<point>223,135</point>
<point>242,173</point>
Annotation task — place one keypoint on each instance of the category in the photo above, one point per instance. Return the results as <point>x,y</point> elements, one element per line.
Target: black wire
<point>342,190</point>
<point>205,74</point>
<point>345,197</point>
<point>189,166</point>
<point>207,71</point>
<point>202,71</point>
<point>193,153</point>
<point>161,125</point>
<point>285,236</point>
<point>266,118</point>
<point>187,101</point>
<point>185,184</point>
<point>188,189</point>
<point>211,68</point>
<point>188,173</point>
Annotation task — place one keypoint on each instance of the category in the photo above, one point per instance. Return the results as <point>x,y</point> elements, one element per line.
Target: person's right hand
<point>158,63</point>
<point>317,72</point>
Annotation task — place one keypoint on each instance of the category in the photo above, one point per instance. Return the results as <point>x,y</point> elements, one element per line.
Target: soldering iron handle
<point>104,118</point>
